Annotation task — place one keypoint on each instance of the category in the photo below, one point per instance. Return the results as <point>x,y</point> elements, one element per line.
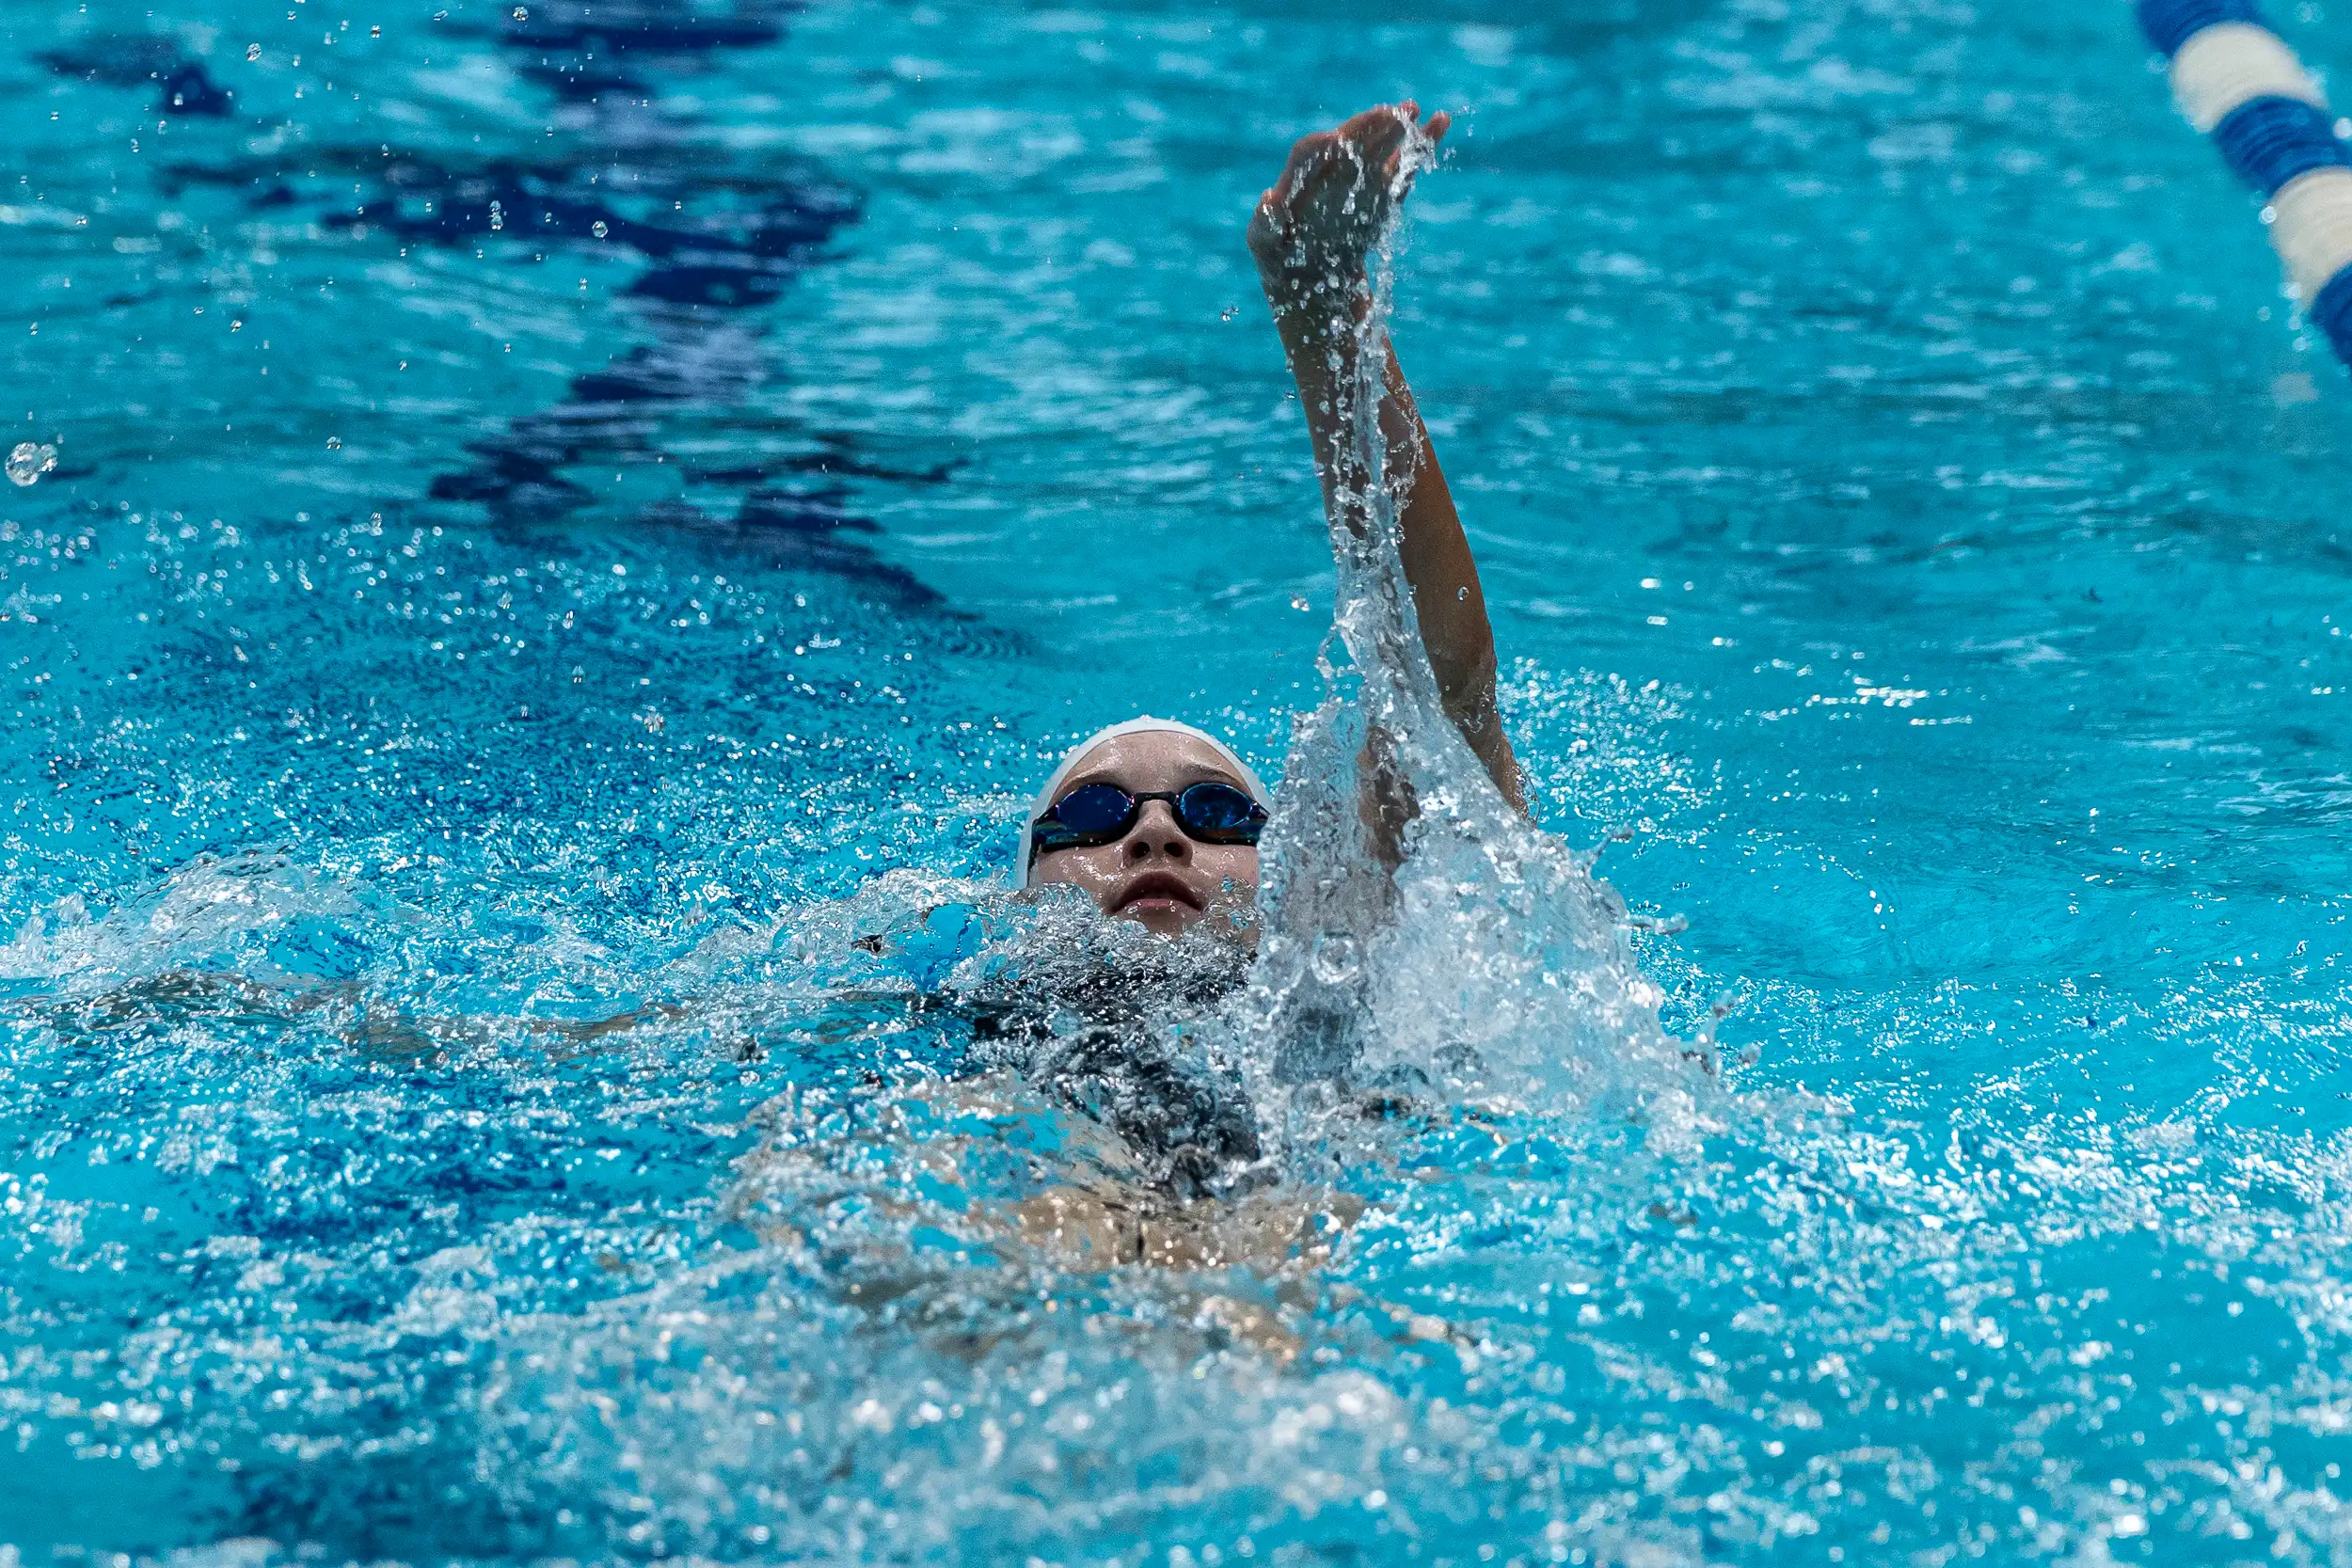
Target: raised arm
<point>1311,235</point>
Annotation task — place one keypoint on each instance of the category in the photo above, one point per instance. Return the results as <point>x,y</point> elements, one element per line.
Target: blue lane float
<point>2237,81</point>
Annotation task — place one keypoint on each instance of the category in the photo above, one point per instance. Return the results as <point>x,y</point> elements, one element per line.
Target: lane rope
<point>2238,83</point>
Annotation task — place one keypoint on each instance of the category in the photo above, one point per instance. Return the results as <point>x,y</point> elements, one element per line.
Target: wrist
<point>1314,297</point>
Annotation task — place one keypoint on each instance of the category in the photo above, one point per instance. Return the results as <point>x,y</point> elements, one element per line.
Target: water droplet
<point>29,461</point>
<point>252,51</point>
<point>599,229</point>
<point>1337,959</point>
<point>333,443</point>
<point>1461,594</point>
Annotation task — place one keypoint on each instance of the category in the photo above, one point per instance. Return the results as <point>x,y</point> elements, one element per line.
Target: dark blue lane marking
<point>129,62</point>
<point>581,28</point>
<point>723,258</point>
<point>707,260</point>
<point>713,243</point>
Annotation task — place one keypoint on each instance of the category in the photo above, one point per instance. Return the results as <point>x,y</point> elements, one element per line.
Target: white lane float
<point>2238,83</point>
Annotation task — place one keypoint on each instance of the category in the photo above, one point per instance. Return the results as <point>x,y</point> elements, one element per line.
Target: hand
<point>1319,221</point>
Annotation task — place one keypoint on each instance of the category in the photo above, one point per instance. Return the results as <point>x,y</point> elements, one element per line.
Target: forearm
<point>1322,346</point>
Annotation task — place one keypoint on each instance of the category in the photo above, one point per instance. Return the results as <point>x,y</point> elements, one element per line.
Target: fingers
<point>1382,133</point>
<point>1373,142</point>
<point>1307,154</point>
<point>1430,133</point>
<point>1384,129</point>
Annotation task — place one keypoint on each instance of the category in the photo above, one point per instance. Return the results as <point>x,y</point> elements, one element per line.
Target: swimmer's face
<point>1156,875</point>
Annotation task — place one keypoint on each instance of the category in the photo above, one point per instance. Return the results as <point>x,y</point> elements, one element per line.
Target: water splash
<point>29,460</point>
<point>1490,966</point>
<point>256,915</point>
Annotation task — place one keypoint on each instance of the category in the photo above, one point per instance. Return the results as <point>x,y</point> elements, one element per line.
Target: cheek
<point>1236,864</point>
<point>1094,870</point>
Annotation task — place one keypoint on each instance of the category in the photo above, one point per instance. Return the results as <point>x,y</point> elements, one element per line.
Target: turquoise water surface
<point>570,531</point>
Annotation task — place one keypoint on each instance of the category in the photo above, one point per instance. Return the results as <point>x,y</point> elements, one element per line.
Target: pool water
<point>571,530</point>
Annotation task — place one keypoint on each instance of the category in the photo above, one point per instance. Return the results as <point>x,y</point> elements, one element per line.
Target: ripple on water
<point>513,1041</point>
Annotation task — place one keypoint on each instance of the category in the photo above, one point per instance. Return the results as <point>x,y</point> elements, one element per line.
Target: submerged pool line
<point>2238,82</point>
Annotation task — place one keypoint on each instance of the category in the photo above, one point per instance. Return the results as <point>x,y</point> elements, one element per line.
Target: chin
<point>1162,917</point>
<point>1236,925</point>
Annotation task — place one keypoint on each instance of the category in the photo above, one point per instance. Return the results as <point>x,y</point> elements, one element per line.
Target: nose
<point>1156,832</point>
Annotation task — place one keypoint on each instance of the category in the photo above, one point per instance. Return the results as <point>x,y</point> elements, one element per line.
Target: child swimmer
<point>1158,822</point>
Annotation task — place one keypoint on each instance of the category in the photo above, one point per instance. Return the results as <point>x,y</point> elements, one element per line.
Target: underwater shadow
<point>712,242</point>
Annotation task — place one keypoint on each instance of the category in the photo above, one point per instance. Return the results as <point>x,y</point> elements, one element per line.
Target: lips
<point>1156,884</point>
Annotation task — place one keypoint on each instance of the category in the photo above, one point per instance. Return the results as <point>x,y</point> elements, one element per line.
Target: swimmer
<point>1158,822</point>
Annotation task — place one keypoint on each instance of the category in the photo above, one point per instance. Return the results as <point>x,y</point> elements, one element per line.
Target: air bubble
<point>599,229</point>
<point>334,443</point>
<point>1337,958</point>
<point>252,51</point>
<point>497,216</point>
<point>521,15</point>
<point>376,32</point>
<point>1299,601</point>
<point>29,461</point>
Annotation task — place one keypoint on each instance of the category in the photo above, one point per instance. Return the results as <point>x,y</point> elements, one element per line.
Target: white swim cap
<point>1077,754</point>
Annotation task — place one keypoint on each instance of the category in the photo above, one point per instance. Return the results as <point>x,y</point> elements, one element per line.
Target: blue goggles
<point>1097,814</point>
